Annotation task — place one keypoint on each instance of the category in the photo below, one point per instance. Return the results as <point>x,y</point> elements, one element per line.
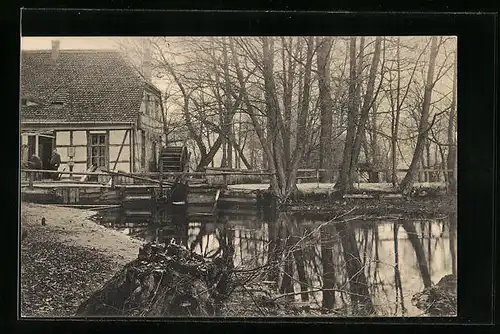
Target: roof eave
<point>153,87</point>
<point>63,122</point>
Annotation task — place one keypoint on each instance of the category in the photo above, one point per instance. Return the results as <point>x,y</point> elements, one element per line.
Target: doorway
<point>45,147</point>
<point>153,161</point>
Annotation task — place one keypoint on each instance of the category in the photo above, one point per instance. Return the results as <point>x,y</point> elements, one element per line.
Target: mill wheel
<point>174,159</point>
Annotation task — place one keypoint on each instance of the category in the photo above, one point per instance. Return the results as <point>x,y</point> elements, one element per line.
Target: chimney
<point>146,61</point>
<point>55,49</point>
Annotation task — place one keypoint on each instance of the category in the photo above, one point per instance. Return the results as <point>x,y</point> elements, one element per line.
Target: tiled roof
<point>94,86</point>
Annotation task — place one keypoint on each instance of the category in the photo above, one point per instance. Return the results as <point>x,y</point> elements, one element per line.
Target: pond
<point>355,266</point>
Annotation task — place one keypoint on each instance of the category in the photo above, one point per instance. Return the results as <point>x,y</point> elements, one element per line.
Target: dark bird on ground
<point>43,221</point>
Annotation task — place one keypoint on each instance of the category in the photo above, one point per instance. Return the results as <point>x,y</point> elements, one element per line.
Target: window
<point>98,150</point>
<point>157,109</point>
<point>31,145</point>
<point>151,106</point>
<point>27,103</point>
<point>147,103</point>
<point>143,149</point>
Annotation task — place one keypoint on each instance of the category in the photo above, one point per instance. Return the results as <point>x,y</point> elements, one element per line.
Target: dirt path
<point>67,259</point>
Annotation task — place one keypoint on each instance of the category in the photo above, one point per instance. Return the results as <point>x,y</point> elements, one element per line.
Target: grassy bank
<point>64,261</point>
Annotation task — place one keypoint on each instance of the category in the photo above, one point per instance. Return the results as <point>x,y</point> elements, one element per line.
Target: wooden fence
<point>219,176</point>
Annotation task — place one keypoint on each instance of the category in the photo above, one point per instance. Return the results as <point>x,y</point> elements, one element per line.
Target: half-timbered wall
<point>117,148</point>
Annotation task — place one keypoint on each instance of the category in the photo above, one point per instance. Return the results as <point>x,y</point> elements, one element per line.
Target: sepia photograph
<point>238,176</point>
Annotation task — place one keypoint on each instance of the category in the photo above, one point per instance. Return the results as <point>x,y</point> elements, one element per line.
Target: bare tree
<point>357,119</point>
<point>452,149</point>
<point>423,127</point>
<point>368,101</point>
<point>343,183</point>
<point>326,105</point>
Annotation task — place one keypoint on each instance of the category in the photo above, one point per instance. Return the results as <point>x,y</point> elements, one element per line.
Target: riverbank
<point>367,199</point>
<point>65,260</point>
<point>419,207</point>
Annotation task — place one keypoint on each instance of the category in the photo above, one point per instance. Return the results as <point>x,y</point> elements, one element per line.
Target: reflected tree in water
<point>198,239</point>
<point>180,227</point>
<point>358,285</point>
<point>334,265</point>
<point>327,233</point>
<point>274,251</point>
<point>411,231</point>
<point>299,256</point>
<point>452,240</point>
<point>286,285</point>
<point>397,273</point>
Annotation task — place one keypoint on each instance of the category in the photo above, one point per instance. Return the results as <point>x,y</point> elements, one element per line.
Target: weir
<point>144,196</point>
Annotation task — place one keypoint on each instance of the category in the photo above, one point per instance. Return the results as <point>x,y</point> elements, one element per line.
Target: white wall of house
<point>78,141</point>
<point>118,147</point>
<point>119,150</point>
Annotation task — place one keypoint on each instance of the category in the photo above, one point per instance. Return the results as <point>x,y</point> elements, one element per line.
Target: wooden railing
<point>303,174</point>
<point>31,173</point>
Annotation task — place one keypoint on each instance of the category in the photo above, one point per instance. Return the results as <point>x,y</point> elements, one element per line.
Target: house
<point>93,107</point>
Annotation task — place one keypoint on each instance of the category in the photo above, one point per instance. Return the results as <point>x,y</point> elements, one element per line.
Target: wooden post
<point>224,180</point>
<point>317,178</point>
<point>359,176</point>
<point>31,177</point>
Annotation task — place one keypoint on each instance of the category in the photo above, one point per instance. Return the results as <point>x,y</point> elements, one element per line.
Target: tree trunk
<point>275,140</point>
<point>375,151</point>
<point>275,186</point>
<point>423,128</point>
<point>326,105</point>
<point>452,148</point>
<point>367,103</point>
<point>428,160</point>
<point>344,182</point>
<point>301,121</point>
<point>288,83</point>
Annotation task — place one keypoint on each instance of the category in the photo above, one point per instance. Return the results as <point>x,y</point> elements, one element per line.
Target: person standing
<point>35,162</point>
<point>55,162</point>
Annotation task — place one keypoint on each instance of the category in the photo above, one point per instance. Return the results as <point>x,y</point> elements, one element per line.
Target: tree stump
<point>439,299</point>
<point>165,280</point>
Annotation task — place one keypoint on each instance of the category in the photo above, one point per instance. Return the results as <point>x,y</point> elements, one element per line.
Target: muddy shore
<point>64,261</point>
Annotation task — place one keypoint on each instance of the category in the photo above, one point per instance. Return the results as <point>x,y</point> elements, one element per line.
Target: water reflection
<point>360,267</point>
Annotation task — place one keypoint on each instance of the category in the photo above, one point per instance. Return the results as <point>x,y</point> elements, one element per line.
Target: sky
<point>69,43</point>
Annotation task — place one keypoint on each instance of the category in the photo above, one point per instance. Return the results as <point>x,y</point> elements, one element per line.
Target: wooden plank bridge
<point>144,196</point>
<point>202,195</point>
